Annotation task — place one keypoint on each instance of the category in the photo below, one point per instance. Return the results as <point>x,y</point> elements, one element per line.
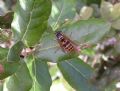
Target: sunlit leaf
<point>36,86</point>
<point>30,20</point>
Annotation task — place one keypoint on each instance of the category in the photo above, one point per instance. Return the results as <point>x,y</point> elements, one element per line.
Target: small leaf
<point>20,81</point>
<point>77,74</point>
<point>14,52</point>
<point>30,20</point>
<point>40,70</point>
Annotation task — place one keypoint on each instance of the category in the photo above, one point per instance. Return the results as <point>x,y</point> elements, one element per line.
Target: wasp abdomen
<point>66,44</point>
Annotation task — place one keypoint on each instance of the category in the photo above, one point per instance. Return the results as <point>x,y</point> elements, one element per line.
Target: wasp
<point>66,44</point>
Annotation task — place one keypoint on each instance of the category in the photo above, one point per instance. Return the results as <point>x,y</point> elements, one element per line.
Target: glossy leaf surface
<point>30,20</point>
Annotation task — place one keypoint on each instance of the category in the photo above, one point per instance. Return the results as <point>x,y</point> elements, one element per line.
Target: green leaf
<point>61,10</point>
<point>20,81</point>
<point>87,31</point>
<point>39,73</point>
<point>30,20</point>
<point>40,70</point>
<point>3,53</point>
<point>35,85</point>
<point>8,68</point>
<point>14,52</point>
<point>77,74</point>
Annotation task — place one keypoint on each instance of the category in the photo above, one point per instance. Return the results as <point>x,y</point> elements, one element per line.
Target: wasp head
<point>59,34</point>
